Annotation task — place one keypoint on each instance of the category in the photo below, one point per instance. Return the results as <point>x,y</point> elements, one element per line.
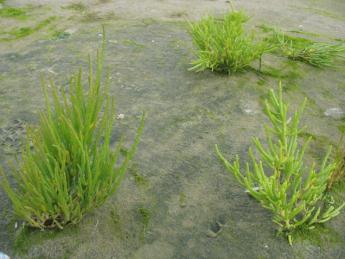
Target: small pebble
<point>50,70</point>
<point>249,111</point>
<point>71,30</point>
<point>211,234</point>
<point>249,107</point>
<point>120,116</point>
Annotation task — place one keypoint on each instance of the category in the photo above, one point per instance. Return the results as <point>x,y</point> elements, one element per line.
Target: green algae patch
<point>21,32</point>
<point>26,238</point>
<point>60,35</point>
<point>342,40</point>
<point>93,16</point>
<point>321,235</point>
<point>145,216</point>
<point>301,36</point>
<point>325,13</point>
<point>79,7</point>
<point>133,43</point>
<point>139,179</point>
<point>11,12</point>
<point>286,70</point>
<point>307,33</point>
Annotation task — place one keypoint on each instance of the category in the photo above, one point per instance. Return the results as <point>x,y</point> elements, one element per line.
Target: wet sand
<point>177,201</point>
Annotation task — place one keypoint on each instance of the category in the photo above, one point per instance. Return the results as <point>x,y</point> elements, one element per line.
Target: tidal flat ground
<point>177,201</point>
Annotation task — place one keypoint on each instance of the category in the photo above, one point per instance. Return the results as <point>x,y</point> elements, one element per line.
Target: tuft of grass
<point>313,53</point>
<point>67,167</point>
<point>278,178</point>
<point>222,44</point>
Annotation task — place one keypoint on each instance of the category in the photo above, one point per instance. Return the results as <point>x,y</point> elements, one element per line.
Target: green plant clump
<point>279,180</point>
<point>68,167</point>
<point>314,53</point>
<point>222,44</point>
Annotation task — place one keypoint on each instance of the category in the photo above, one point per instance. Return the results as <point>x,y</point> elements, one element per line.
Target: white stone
<point>71,30</point>
<point>335,112</point>
<point>120,116</point>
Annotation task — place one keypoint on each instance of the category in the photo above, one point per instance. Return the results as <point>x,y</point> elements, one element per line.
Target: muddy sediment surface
<point>177,201</point>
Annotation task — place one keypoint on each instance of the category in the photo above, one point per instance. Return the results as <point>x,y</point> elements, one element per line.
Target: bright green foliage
<point>222,44</point>
<point>70,168</point>
<point>279,180</point>
<point>313,53</point>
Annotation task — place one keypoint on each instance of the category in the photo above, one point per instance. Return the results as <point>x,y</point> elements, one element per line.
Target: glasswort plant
<point>70,168</point>
<point>279,180</point>
<point>314,53</point>
<point>222,44</point>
